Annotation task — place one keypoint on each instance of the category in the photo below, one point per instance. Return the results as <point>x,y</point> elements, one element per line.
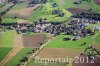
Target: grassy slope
<point>15,60</point>
<point>7,39</point>
<point>46,9</point>
<point>9,20</point>
<point>3,52</point>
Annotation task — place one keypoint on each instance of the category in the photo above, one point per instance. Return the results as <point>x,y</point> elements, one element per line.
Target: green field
<point>59,43</point>
<point>3,52</point>
<point>15,60</point>
<point>7,39</point>
<point>9,20</point>
<point>45,12</point>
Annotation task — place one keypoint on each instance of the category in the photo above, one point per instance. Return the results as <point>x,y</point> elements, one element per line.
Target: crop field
<point>37,32</point>
<point>16,59</point>
<point>4,51</point>
<point>9,20</point>
<point>7,39</point>
<point>20,11</point>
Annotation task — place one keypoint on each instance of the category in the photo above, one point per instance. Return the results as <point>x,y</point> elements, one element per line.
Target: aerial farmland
<point>49,32</point>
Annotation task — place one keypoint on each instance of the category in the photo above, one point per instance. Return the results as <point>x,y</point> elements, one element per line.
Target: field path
<point>12,53</point>
<point>18,40</point>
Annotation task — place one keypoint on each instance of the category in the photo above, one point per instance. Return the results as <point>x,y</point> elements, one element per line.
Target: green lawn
<point>3,52</point>
<point>33,63</point>
<point>7,39</point>
<point>9,20</point>
<point>59,43</point>
<point>15,60</point>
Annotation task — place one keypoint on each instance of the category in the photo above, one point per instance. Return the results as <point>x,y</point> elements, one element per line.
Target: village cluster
<point>76,27</point>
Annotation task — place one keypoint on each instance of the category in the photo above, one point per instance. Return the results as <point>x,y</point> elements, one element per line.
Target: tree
<point>0,20</point>
<point>26,59</point>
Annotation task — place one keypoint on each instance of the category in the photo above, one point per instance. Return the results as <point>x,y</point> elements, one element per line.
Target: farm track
<point>12,53</point>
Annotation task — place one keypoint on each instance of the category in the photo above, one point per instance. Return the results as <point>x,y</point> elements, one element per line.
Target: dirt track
<point>12,53</point>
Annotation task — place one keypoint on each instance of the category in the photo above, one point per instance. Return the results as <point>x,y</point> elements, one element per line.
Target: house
<point>97,28</point>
